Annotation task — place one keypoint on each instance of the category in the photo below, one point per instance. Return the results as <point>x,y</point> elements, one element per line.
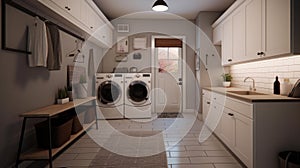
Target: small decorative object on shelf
<point>62,96</point>
<point>70,93</point>
<point>227,79</point>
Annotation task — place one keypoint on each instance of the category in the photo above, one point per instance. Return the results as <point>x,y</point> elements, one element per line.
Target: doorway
<point>169,73</point>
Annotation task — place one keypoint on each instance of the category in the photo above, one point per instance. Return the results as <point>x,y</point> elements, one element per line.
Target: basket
<point>76,125</point>
<point>60,132</point>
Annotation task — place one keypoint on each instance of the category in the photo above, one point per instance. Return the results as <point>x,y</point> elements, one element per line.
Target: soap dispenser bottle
<point>276,86</point>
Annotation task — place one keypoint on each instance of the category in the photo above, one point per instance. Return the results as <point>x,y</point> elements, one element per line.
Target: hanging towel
<point>54,59</point>
<point>37,44</point>
<point>91,74</point>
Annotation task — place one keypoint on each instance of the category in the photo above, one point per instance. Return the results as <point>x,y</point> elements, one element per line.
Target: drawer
<point>240,107</point>
<point>214,115</point>
<point>219,98</point>
<point>206,93</point>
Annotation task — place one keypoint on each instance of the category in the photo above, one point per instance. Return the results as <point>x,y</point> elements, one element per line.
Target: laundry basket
<point>289,159</point>
<point>60,131</point>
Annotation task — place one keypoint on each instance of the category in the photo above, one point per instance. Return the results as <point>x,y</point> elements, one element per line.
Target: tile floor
<point>187,153</point>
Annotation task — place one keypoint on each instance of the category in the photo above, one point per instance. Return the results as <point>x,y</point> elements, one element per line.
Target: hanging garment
<point>37,44</point>
<point>91,75</point>
<point>54,59</point>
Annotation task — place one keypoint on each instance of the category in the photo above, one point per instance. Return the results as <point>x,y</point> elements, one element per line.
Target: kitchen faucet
<point>253,84</point>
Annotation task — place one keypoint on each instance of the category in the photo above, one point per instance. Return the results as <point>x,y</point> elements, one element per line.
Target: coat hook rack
<point>28,12</point>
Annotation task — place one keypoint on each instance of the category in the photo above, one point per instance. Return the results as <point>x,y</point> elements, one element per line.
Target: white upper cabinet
<point>260,28</point>
<point>227,42</point>
<point>218,34</point>
<point>70,6</point>
<point>86,16</point>
<point>278,27</point>
<point>238,35</point>
<point>254,29</point>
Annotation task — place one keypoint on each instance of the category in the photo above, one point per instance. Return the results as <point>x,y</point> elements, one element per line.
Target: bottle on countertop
<point>286,87</point>
<point>276,86</point>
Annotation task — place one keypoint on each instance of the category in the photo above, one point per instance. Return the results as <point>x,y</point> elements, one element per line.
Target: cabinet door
<point>228,127</point>
<point>278,23</point>
<point>218,34</point>
<point>205,108</point>
<point>61,3</point>
<point>238,35</point>
<point>74,8</point>
<point>254,27</point>
<point>85,8</point>
<point>244,138</point>
<point>227,42</point>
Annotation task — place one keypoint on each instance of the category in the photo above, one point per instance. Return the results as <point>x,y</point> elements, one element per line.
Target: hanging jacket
<point>54,59</point>
<point>37,44</point>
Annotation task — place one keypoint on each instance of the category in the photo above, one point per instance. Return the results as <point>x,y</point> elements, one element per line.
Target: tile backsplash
<point>265,71</point>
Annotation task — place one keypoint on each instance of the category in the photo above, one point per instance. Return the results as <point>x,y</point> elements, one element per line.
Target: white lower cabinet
<point>228,127</point>
<point>206,106</point>
<point>244,138</point>
<point>255,130</point>
<point>231,120</point>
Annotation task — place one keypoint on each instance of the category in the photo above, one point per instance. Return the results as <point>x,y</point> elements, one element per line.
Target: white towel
<point>37,44</point>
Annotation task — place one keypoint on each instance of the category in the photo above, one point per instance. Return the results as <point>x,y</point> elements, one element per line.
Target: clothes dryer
<point>110,95</point>
<point>138,98</point>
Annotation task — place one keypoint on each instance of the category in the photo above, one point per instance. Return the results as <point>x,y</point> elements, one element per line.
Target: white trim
<point>183,38</point>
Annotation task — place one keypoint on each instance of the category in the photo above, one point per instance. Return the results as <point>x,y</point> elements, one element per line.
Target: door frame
<point>183,90</point>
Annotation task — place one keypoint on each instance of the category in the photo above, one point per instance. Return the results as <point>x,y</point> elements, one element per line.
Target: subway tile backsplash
<point>264,72</point>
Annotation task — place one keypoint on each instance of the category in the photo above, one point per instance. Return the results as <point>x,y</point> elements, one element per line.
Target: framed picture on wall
<point>122,45</point>
<point>140,43</point>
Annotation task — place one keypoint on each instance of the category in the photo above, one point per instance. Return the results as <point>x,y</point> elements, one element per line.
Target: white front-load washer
<point>138,98</point>
<point>110,95</point>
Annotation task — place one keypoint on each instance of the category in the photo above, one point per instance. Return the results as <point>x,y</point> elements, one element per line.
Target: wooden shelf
<point>43,154</point>
<point>55,109</point>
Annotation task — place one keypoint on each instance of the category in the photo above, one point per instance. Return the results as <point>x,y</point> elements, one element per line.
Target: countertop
<point>252,98</point>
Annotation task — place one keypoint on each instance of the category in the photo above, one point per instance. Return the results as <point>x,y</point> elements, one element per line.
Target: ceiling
<point>185,8</point>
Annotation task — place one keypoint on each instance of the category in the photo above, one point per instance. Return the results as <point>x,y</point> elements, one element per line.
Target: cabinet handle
<point>230,114</point>
<point>229,60</point>
<point>208,102</point>
<point>261,53</point>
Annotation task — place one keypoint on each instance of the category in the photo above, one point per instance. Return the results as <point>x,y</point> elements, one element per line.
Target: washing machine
<point>138,98</point>
<point>110,95</point>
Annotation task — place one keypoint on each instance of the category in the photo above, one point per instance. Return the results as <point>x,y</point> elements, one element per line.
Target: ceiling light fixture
<point>160,6</point>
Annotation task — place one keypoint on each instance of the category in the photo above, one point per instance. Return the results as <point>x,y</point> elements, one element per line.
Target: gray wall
<point>208,75</point>
<point>25,89</point>
<point>146,28</point>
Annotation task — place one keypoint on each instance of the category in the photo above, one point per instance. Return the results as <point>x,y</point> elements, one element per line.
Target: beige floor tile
<point>205,148</point>
<point>193,166</point>
<point>187,154</point>
<point>178,160</point>
<point>212,160</point>
<point>228,166</point>
<point>176,149</point>
<point>217,153</point>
